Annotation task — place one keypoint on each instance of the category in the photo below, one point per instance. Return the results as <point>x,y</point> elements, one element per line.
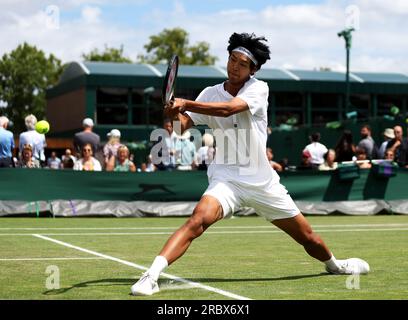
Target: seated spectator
<point>87,162</point>
<point>68,154</point>
<point>27,160</point>
<point>53,162</point>
<point>149,166</point>
<point>186,155</point>
<point>329,161</point>
<point>284,164</point>
<point>400,147</point>
<point>362,160</point>
<point>205,154</point>
<point>121,162</point>
<point>389,155</point>
<point>305,163</point>
<point>316,149</point>
<point>165,158</point>
<point>111,147</point>
<point>388,136</point>
<point>274,165</point>
<point>67,163</point>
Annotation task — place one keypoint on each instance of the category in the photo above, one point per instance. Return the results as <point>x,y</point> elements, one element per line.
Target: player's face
<point>239,67</point>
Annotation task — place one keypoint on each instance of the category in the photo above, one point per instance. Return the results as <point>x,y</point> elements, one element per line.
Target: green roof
<point>76,69</point>
<point>79,74</point>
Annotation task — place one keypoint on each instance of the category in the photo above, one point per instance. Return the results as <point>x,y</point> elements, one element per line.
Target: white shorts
<point>272,202</point>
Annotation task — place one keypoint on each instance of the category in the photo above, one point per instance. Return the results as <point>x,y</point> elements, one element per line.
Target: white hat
<point>114,133</point>
<point>87,122</point>
<point>389,133</point>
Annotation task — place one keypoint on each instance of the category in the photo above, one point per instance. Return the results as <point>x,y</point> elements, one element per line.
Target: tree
<point>108,55</point>
<point>175,41</point>
<point>25,74</point>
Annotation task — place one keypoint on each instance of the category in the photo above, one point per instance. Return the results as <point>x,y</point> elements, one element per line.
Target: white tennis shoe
<point>350,266</point>
<point>146,286</point>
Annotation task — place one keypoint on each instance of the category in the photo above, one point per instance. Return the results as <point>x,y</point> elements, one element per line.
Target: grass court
<point>239,258</point>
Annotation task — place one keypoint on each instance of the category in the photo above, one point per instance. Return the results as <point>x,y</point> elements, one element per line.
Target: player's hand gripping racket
<point>169,83</point>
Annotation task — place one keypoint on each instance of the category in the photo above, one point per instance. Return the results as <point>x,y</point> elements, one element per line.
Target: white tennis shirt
<point>241,138</point>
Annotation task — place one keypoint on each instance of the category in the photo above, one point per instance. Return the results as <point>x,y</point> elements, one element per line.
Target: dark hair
<point>366,126</point>
<point>315,137</point>
<point>252,43</point>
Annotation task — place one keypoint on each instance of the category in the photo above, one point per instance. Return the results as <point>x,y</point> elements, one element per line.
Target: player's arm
<point>217,109</point>
<point>184,119</point>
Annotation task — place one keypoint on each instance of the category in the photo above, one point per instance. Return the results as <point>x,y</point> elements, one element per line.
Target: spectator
<point>389,155</point>
<point>367,142</point>
<point>274,165</point>
<point>67,163</point>
<point>166,157</point>
<point>111,147</point>
<point>6,144</point>
<point>305,163</point>
<point>186,154</point>
<point>206,153</point>
<point>316,149</point>
<point>362,159</point>
<point>399,145</point>
<point>284,164</point>
<point>27,160</point>
<point>86,136</point>
<point>149,167</point>
<point>87,162</point>
<point>345,148</point>
<point>388,136</point>
<point>121,161</point>
<point>53,162</point>
<point>32,137</point>
<point>68,154</point>
<point>329,161</point>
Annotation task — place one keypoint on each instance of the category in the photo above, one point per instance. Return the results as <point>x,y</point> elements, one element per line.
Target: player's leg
<point>301,231</point>
<point>275,204</point>
<point>207,212</point>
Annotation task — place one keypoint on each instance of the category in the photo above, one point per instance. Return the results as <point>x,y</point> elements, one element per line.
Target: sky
<point>301,34</point>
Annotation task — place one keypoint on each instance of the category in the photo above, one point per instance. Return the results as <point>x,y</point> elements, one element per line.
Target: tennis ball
<point>42,127</point>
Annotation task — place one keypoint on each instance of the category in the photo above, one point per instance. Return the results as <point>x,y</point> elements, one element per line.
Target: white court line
<point>46,259</point>
<point>213,227</point>
<point>207,232</point>
<point>134,265</point>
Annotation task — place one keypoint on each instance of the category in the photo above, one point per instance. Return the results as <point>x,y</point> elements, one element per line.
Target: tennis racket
<point>169,82</point>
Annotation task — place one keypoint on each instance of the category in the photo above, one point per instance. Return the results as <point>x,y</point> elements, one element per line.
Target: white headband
<point>246,52</point>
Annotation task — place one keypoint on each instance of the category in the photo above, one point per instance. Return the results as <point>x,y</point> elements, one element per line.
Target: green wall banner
<point>45,185</point>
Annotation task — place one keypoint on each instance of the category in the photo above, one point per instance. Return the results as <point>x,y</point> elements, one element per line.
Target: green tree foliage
<point>25,74</point>
<point>110,54</point>
<point>175,41</point>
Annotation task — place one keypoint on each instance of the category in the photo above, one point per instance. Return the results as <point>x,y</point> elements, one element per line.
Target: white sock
<point>331,263</point>
<point>158,265</point>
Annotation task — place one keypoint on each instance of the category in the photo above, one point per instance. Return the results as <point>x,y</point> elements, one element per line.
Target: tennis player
<point>236,110</point>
